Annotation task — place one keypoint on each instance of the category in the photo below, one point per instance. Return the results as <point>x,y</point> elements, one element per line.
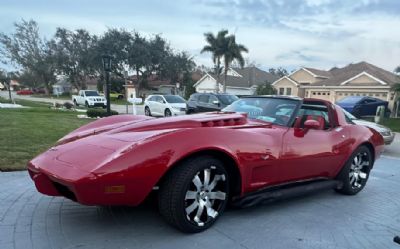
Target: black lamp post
<point>107,68</point>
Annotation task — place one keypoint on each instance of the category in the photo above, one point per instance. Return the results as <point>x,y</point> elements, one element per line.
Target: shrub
<point>94,113</point>
<point>68,105</point>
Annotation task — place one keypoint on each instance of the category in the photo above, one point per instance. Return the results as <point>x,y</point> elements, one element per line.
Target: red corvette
<point>258,149</point>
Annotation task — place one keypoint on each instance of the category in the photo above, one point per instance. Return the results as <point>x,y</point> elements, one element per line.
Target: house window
<point>328,94</point>
<point>313,93</point>
<point>376,94</point>
<point>281,91</point>
<point>384,95</point>
<point>289,91</point>
<point>319,93</point>
<point>345,94</point>
<point>323,93</point>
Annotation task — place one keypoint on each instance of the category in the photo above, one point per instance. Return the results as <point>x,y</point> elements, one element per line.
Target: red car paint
<point>25,92</point>
<point>118,160</point>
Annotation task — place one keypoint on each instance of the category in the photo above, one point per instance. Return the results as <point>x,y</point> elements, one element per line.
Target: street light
<point>107,68</point>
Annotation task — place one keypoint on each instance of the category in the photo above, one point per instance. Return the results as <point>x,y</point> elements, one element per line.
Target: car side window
<point>203,98</point>
<point>151,98</point>
<point>212,99</point>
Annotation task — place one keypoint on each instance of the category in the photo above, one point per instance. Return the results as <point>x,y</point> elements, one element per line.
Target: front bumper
<point>389,139</point>
<point>97,103</point>
<point>86,188</point>
<point>178,112</point>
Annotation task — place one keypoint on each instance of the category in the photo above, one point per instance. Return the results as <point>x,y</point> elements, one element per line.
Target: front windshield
<point>275,110</point>
<point>174,99</point>
<point>227,99</point>
<point>91,93</point>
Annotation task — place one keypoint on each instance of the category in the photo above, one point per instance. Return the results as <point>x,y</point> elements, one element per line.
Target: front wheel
<point>167,113</point>
<point>355,172</point>
<point>147,111</point>
<point>194,194</point>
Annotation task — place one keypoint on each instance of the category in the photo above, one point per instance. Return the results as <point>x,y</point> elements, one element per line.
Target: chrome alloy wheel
<point>206,196</point>
<point>359,170</point>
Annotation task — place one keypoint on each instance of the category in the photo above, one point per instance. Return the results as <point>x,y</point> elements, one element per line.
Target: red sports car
<point>256,150</point>
<point>24,92</point>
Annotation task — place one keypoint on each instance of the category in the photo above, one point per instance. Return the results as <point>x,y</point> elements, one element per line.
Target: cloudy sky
<point>287,33</point>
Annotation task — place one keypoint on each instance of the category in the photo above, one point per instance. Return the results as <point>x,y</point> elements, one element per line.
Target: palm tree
<point>216,46</point>
<point>232,51</point>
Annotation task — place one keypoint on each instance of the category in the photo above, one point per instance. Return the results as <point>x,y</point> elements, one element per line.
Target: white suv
<point>164,105</point>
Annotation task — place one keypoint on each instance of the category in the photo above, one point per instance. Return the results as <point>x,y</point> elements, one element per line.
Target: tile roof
<point>339,75</point>
<point>250,76</point>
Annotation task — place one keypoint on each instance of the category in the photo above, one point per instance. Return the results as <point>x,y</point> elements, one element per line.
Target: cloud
<point>288,33</point>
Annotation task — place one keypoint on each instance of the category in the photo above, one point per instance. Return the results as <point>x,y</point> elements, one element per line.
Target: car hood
<point>95,145</point>
<point>375,126</point>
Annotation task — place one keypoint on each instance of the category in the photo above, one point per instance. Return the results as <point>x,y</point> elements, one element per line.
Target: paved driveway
<point>324,220</point>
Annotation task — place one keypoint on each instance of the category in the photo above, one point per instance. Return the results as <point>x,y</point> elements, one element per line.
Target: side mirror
<point>216,102</point>
<point>311,124</point>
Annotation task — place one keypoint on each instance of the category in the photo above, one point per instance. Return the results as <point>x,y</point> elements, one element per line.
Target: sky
<point>278,33</point>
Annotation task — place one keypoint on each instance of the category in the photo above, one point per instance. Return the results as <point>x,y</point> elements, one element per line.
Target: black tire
<point>147,111</point>
<point>178,190</point>
<point>75,103</point>
<point>167,113</point>
<point>353,176</point>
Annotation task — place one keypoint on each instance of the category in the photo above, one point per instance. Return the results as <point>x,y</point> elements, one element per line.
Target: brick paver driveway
<point>324,220</point>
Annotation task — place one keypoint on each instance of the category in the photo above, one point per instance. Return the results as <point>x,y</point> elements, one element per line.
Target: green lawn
<point>392,123</point>
<point>24,133</point>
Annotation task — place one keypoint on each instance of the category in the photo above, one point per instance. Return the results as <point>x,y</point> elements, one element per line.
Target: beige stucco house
<point>360,79</point>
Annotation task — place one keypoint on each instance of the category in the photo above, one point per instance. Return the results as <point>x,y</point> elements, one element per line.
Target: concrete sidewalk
<point>323,220</point>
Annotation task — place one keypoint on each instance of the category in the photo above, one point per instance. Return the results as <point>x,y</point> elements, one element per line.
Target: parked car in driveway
<point>208,102</point>
<point>362,105</point>
<point>387,134</point>
<point>164,105</point>
<point>25,92</point>
<point>198,164</point>
<point>89,98</point>
<point>116,95</point>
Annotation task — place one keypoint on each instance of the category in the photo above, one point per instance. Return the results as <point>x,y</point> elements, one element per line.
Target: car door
<point>203,102</point>
<point>158,105</point>
<point>313,153</point>
<point>212,104</point>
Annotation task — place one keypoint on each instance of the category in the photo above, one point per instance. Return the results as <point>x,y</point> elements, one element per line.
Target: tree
<point>265,89</point>
<point>280,71</point>
<point>139,56</point>
<point>26,49</point>
<point>216,46</point>
<point>231,52</point>
<point>75,55</point>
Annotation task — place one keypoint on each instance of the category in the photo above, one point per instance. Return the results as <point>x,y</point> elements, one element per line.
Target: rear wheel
<point>194,194</point>
<point>147,111</point>
<point>167,113</point>
<point>75,103</point>
<point>355,172</point>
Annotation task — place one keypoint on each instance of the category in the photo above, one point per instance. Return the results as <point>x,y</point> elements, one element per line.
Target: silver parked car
<point>387,134</point>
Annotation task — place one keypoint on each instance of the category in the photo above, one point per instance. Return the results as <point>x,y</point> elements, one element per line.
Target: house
<point>62,85</point>
<point>360,79</point>
<point>240,81</point>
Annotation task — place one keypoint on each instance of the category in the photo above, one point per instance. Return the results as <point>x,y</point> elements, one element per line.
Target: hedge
<point>94,113</point>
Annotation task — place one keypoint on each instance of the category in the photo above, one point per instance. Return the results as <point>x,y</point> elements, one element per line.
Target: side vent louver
<point>224,122</point>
